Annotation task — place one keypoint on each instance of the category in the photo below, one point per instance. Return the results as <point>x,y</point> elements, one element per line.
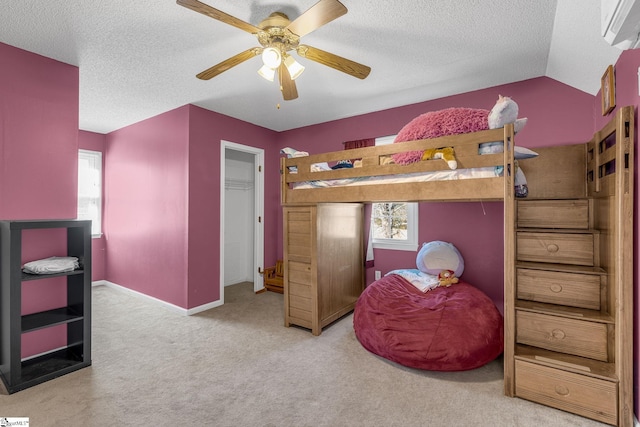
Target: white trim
<point>99,283</point>
<point>635,421</point>
<point>172,307</point>
<point>258,244</point>
<point>93,157</point>
<point>411,243</point>
<point>385,140</point>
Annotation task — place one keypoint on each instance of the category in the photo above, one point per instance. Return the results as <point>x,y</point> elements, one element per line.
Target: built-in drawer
<point>571,336</point>
<point>554,287</point>
<point>553,214</point>
<point>590,397</point>
<point>560,248</point>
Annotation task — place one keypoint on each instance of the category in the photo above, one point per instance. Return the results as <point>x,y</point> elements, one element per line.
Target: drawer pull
<point>558,334</point>
<point>552,248</point>
<point>562,390</point>
<point>556,288</point>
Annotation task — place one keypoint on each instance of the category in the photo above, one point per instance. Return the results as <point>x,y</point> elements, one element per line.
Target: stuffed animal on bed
<point>503,112</point>
<point>445,153</point>
<point>446,278</point>
<point>455,121</point>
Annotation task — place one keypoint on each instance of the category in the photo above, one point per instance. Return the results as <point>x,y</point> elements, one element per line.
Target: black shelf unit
<point>16,373</point>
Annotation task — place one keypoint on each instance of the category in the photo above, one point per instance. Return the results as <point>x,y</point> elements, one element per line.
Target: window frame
<point>94,157</point>
<point>411,242</point>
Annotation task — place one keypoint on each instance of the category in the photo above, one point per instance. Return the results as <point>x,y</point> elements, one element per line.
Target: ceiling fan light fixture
<point>271,57</point>
<point>267,73</point>
<point>293,66</point>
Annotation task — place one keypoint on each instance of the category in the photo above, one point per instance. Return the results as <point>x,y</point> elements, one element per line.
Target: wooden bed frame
<point>466,151</point>
<point>598,174</point>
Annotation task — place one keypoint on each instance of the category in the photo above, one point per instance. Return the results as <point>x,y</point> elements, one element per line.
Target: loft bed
<point>323,253</point>
<point>455,187</point>
<point>574,190</point>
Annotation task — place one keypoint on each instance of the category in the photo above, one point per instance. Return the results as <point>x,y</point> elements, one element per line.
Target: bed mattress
<point>443,175</point>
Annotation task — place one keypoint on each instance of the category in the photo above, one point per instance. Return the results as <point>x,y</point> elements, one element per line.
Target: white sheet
<point>444,175</point>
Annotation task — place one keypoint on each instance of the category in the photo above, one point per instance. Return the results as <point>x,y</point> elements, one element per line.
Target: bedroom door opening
<point>241,213</point>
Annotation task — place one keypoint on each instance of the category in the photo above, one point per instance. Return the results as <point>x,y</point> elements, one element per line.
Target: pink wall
<point>162,203</point>
<point>145,221</point>
<point>626,76</point>
<point>206,131</point>
<point>95,142</point>
<point>39,138</point>
<point>38,168</point>
<point>476,229</point>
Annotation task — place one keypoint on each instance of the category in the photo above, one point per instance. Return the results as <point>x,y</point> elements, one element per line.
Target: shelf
<point>44,319</point>
<point>26,276</point>
<point>49,366</point>
<point>30,224</point>
<point>17,373</point>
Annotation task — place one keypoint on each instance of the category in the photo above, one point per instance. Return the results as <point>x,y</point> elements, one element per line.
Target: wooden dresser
<point>569,312</point>
<point>324,262</point>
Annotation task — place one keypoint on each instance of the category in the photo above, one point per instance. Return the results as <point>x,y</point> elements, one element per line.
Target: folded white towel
<point>51,265</point>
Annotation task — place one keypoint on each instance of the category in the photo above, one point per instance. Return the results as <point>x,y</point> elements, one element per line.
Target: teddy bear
<point>447,278</point>
<point>445,153</point>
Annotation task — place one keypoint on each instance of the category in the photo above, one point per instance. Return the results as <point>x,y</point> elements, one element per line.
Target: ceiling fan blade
<point>287,85</point>
<point>229,63</point>
<point>334,61</point>
<point>316,16</point>
<point>205,9</point>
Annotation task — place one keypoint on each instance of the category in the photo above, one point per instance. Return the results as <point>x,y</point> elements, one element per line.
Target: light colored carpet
<point>237,365</point>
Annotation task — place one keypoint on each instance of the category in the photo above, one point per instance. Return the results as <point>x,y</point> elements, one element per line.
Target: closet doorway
<point>241,213</point>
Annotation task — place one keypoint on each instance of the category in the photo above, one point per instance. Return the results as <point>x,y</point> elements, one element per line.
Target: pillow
<point>523,153</point>
<point>435,256</point>
<point>497,147</point>
<point>450,121</point>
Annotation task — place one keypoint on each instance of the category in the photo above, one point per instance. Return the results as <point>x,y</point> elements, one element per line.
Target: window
<point>90,189</point>
<point>394,225</point>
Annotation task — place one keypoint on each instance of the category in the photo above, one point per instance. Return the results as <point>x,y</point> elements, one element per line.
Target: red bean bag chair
<point>452,328</point>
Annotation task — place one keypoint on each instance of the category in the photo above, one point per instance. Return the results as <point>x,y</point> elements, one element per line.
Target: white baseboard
<point>635,422</point>
<point>172,307</point>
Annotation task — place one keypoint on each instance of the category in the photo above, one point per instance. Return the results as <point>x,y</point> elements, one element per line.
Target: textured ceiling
<point>139,58</point>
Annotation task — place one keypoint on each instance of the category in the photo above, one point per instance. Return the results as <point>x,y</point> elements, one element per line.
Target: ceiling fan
<point>278,36</point>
